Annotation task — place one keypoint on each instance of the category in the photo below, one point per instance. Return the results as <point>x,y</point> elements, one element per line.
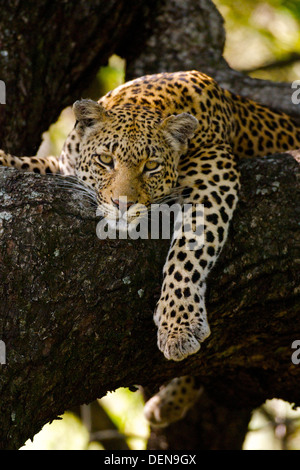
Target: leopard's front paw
<point>180,331</point>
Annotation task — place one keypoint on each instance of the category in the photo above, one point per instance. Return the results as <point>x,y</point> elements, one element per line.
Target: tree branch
<point>76,312</point>
<point>285,61</point>
<point>46,71</point>
<point>190,35</point>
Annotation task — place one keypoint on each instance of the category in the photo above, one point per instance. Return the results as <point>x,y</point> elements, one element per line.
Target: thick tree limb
<point>190,35</point>
<point>73,324</point>
<point>49,69</point>
<point>46,71</point>
<point>172,45</point>
<point>76,312</point>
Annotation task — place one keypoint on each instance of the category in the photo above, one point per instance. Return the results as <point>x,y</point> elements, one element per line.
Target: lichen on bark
<point>74,322</point>
<point>71,311</point>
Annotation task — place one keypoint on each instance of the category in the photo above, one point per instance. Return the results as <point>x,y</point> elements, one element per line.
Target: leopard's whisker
<point>74,185</point>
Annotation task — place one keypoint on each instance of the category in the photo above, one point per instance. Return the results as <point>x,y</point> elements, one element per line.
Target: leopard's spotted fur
<point>190,131</point>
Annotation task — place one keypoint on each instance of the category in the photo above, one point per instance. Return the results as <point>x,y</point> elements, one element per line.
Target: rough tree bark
<point>190,35</point>
<point>75,311</point>
<point>50,51</point>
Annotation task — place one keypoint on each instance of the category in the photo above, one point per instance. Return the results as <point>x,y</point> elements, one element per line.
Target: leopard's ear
<point>87,113</point>
<point>178,129</point>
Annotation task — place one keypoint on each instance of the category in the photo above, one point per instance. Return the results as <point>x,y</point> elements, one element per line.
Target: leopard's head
<point>129,154</point>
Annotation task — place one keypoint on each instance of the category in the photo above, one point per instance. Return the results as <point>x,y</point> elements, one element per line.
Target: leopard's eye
<point>151,165</point>
<point>104,159</point>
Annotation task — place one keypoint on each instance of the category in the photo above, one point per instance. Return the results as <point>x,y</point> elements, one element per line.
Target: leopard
<point>170,136</point>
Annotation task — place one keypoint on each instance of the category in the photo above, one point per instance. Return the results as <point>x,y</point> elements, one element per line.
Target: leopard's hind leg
<point>172,401</point>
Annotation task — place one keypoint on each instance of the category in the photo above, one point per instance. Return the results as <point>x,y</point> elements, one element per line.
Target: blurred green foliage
<point>125,408</point>
<point>107,79</point>
<point>263,37</point>
<point>67,433</point>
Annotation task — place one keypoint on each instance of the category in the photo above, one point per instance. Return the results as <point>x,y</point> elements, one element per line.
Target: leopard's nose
<point>122,204</point>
